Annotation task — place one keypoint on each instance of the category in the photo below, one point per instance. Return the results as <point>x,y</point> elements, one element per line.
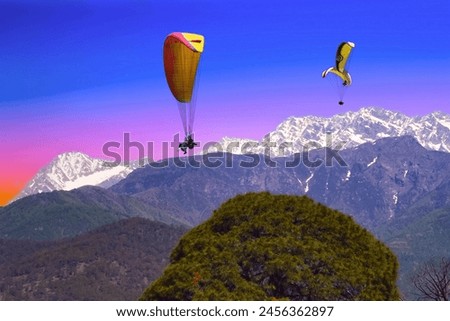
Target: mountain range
<point>72,170</point>
<point>375,182</point>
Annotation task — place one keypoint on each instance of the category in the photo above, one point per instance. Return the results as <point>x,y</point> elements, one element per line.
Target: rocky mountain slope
<point>373,182</point>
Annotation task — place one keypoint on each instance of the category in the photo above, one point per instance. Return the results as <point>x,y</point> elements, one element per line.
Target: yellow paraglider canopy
<point>342,55</point>
<point>340,68</point>
<point>181,57</point>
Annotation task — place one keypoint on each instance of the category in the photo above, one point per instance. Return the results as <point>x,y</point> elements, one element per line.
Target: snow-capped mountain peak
<point>71,170</point>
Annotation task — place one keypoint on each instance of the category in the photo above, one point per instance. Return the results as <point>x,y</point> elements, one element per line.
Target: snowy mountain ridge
<point>345,130</point>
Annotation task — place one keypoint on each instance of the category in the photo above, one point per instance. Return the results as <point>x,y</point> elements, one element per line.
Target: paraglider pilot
<point>188,143</point>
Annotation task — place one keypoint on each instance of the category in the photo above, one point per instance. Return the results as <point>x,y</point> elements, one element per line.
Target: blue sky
<point>53,47</point>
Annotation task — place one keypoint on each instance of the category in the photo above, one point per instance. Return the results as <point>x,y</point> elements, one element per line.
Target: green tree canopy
<point>261,246</point>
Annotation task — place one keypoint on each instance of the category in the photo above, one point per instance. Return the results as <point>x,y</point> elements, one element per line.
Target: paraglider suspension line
<point>182,110</point>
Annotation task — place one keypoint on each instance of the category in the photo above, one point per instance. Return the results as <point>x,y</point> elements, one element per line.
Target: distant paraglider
<point>340,69</point>
<point>181,53</point>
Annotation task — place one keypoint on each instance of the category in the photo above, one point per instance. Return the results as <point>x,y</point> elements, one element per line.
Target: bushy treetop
<point>260,246</point>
